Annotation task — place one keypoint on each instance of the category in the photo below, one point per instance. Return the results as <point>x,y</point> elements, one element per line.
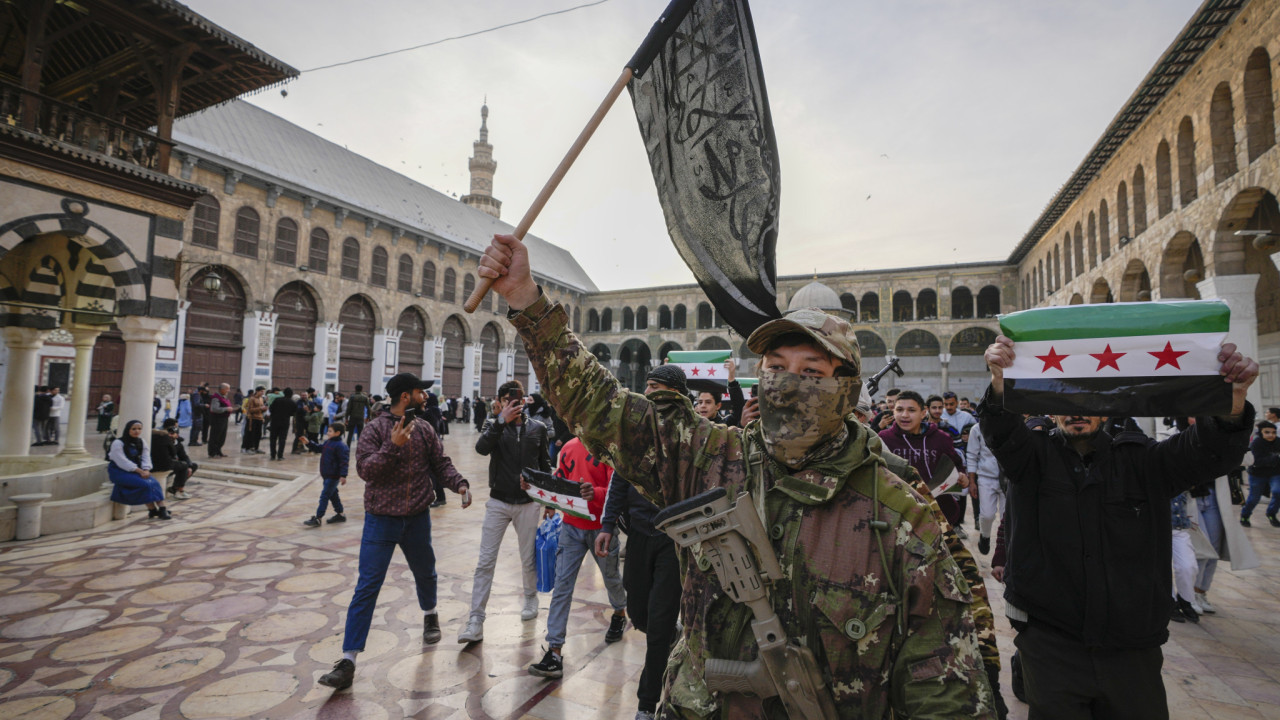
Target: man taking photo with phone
<point>513,441</point>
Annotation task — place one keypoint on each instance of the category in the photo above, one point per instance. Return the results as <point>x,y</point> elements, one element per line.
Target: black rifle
<point>873,385</point>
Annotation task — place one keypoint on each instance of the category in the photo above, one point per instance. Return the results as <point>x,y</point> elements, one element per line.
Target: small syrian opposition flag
<point>557,492</point>
<point>702,364</point>
<point>946,478</point>
<point>1147,359</point>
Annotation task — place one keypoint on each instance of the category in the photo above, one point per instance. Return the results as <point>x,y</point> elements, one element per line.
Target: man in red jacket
<point>577,539</point>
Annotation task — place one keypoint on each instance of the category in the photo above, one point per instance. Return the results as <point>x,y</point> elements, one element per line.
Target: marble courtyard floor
<point>234,609</point>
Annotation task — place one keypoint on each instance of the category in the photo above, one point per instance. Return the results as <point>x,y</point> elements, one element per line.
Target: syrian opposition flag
<point>946,478</point>
<point>703,369</point>
<point>557,492</point>
<point>1147,359</point>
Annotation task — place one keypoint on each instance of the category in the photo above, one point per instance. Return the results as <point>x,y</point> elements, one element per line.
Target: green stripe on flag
<point>698,356</point>
<point>748,382</point>
<point>1076,322</point>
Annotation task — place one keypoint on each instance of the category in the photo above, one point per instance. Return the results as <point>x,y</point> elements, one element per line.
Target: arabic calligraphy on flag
<point>1123,359</point>
<point>557,492</point>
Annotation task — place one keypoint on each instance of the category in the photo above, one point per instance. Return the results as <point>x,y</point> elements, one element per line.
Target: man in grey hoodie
<point>985,472</point>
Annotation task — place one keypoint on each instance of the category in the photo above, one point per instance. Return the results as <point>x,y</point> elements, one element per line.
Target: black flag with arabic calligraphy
<point>704,117</point>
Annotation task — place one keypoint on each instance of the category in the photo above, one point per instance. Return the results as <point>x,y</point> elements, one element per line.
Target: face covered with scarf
<point>808,384</point>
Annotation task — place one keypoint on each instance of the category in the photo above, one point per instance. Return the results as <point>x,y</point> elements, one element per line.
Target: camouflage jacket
<point>913,654</point>
<point>986,623</point>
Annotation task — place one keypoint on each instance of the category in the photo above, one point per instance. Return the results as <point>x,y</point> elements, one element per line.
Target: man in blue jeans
<point>1264,474</point>
<point>397,458</point>
<point>578,540</point>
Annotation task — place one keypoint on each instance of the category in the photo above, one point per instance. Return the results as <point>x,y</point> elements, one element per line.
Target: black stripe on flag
<point>1119,397</point>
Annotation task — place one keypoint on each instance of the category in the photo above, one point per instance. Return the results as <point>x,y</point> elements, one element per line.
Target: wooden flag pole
<point>553,182</point>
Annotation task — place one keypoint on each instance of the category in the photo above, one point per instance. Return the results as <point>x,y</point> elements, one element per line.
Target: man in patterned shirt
<point>397,458</point>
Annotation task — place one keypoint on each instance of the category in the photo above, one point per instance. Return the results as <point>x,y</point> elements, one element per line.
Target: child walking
<point>334,455</point>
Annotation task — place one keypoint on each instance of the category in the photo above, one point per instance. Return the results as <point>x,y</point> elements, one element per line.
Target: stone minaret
<point>482,167</point>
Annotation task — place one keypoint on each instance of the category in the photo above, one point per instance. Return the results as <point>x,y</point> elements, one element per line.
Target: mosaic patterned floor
<point>234,609</point>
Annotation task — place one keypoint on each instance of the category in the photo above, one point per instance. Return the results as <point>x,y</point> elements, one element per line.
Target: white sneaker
<point>1205,606</point>
<point>530,610</point>
<point>473,632</point>
<point>1195,605</point>
<point>182,495</point>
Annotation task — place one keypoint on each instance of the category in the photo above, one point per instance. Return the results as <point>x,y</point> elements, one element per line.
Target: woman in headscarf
<point>130,473</point>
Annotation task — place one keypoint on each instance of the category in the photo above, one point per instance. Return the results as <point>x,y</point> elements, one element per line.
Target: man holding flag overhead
<point>1087,582</point>
<point>871,589</point>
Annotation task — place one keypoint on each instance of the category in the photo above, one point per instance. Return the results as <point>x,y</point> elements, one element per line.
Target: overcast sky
<point>911,132</point>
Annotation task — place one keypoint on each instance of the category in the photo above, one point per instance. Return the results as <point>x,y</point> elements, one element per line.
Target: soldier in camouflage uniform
<point>868,585</point>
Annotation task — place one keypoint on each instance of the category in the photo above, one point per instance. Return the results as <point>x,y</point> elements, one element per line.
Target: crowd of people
<point>881,607</point>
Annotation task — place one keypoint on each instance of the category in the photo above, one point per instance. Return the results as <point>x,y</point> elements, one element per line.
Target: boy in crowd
<point>577,540</point>
<point>922,445</point>
<point>1264,474</point>
<point>334,456</point>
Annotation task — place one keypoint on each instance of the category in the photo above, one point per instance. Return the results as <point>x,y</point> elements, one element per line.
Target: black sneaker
<point>153,513</point>
<point>984,544</point>
<point>1187,611</point>
<point>617,624</point>
<point>341,676</point>
<point>312,522</point>
<point>1274,521</point>
<point>1176,615</point>
<point>164,514</point>
<point>337,518</point>
<point>552,666</point>
<point>431,629</point>
<point>1244,522</point>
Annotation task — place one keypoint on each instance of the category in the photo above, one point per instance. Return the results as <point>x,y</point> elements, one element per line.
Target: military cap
<point>833,334</point>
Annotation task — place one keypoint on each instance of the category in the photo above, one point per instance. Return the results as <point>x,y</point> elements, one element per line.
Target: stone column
<point>84,339</point>
<point>507,365</point>
<point>534,385</point>
<point>471,358</point>
<point>1238,292</point>
<point>945,360</point>
<point>19,388</point>
<point>386,358</point>
<point>141,338</point>
<point>1275,258</point>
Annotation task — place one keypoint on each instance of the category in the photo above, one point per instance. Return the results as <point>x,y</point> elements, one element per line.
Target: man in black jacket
<point>282,411</point>
<point>513,441</point>
<point>1087,583</point>
<point>168,455</point>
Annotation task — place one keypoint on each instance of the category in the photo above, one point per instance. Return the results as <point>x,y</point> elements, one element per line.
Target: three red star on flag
<point>694,371</point>
<point>1109,358</point>
<point>1052,361</point>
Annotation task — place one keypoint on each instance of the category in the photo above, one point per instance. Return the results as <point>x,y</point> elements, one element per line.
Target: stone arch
<point>45,285</point>
<point>1078,252</point>
<point>456,335</point>
<point>606,320</point>
<point>106,251</point>
<point>593,320</point>
<point>1181,267</point>
<point>1122,218</point>
<point>414,329</point>
<point>1076,299</point>
<point>404,273</point>
<point>213,332</point>
<point>628,318</point>
<point>1135,284</point>
<point>378,262</point>
<point>706,317</point>
<point>428,284</point>
<point>577,321</point>
<point>961,303</point>
<point>318,251</point>
<point>490,344</point>
<point>642,318</point>
<point>350,259</point>
<point>206,220</point>
<point>666,349</point>
<point>1259,107</point>
<point>1068,271</point>
<point>679,321</point>
<point>359,318</point>
<point>1253,208</point>
<point>1222,132</point>
<point>1139,203</point>
<point>903,307</point>
<point>449,292</point>
<point>633,364</point>
<point>869,308</point>
<point>602,353</point>
<point>927,304</point>
<point>285,251</point>
<point>1093,242</point>
<point>870,345</point>
<point>988,301</point>
<point>1057,269</point>
<point>1100,292</point>
<point>971,341</point>
<point>1164,179</point>
<point>664,317</point>
<point>1186,162</point>
<point>917,343</point>
<point>715,342</point>
<point>298,309</point>
<point>1104,229</point>
<point>850,303</point>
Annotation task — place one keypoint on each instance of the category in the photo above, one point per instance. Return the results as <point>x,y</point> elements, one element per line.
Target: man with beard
<point>398,457</point>
<point>1087,583</point>
<point>868,583</point>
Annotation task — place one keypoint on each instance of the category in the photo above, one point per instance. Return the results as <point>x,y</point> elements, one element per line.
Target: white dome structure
<point>815,294</point>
